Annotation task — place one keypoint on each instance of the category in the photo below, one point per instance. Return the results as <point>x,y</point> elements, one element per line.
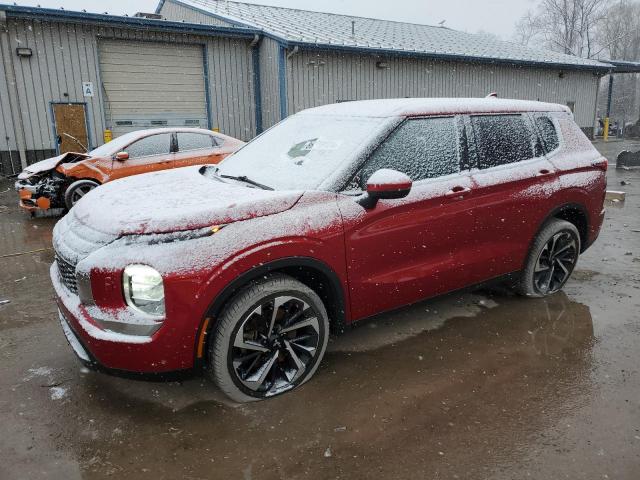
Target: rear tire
<point>551,259</point>
<point>256,352</point>
<point>77,190</point>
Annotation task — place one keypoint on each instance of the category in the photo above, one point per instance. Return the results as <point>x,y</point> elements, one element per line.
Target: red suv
<point>335,214</point>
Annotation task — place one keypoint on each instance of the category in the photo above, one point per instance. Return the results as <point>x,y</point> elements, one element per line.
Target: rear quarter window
<point>504,139</point>
<point>188,141</point>
<point>548,132</point>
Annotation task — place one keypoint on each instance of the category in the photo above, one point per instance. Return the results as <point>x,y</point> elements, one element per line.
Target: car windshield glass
<point>302,151</point>
<point>115,145</point>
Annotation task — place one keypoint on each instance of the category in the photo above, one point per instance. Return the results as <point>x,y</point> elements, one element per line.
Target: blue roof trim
<point>115,20</point>
<point>605,68</point>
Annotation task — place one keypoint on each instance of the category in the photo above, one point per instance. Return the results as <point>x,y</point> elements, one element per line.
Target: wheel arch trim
<point>209,319</point>
<point>559,209</point>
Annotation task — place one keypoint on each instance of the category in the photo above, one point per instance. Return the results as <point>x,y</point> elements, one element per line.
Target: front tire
<point>77,190</point>
<point>551,259</point>
<point>269,339</point>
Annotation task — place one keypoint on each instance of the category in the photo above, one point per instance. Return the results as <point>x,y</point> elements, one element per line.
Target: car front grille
<point>67,273</point>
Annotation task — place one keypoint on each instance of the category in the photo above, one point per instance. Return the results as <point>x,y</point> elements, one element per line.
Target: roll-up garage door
<point>150,85</point>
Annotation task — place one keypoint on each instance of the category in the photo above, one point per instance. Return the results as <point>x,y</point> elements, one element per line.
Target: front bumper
<point>29,199</point>
<point>168,350</point>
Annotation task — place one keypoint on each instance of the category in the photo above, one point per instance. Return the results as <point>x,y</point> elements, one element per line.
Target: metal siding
<point>232,86</point>
<point>7,132</point>
<point>312,84</point>
<point>177,12</point>
<point>269,82</point>
<point>58,66</point>
<point>65,54</point>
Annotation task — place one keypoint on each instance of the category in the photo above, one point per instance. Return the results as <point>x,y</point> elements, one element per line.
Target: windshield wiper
<point>245,179</point>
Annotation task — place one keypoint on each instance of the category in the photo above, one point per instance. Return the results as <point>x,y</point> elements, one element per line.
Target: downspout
<point>282,80</point>
<point>282,74</point>
<point>12,87</point>
<point>257,81</point>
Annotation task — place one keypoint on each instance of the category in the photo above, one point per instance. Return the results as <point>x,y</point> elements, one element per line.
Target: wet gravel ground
<point>481,385</point>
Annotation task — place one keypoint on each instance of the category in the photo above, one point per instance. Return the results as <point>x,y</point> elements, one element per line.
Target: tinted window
<point>503,139</point>
<point>548,132</point>
<point>152,145</point>
<point>421,148</point>
<point>194,141</point>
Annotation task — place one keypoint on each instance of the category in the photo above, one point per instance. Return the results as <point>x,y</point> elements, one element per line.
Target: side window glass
<point>153,145</point>
<point>548,132</point>
<point>194,141</point>
<point>504,139</point>
<point>421,148</point>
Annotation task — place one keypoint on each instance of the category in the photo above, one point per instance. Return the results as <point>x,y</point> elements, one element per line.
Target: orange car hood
<point>49,164</point>
<point>175,200</point>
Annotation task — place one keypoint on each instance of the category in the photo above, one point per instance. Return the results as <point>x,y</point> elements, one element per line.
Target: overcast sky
<point>494,16</point>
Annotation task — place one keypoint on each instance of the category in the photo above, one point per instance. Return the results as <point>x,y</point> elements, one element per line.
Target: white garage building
<point>240,68</point>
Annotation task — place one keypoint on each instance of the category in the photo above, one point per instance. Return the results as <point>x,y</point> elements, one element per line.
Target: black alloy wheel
<point>275,345</point>
<point>555,263</point>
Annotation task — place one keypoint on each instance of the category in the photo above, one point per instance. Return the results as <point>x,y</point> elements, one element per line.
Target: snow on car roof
<point>432,106</point>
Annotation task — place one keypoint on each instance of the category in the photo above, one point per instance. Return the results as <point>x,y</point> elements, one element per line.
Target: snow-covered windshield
<point>302,151</point>
<point>114,146</point>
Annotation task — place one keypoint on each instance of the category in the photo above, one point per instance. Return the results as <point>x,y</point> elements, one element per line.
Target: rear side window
<point>421,148</point>
<point>153,145</point>
<point>194,141</point>
<point>548,132</point>
<point>503,139</point>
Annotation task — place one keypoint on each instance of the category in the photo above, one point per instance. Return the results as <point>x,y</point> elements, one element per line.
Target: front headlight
<point>144,290</point>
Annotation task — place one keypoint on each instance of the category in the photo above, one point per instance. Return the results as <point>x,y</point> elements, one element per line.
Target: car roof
<point>138,134</point>
<point>432,106</point>
<point>152,131</point>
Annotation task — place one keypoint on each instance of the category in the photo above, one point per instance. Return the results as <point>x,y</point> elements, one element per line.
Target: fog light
<point>144,290</point>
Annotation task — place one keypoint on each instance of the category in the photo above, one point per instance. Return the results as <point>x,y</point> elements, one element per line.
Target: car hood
<point>175,200</point>
<point>50,164</point>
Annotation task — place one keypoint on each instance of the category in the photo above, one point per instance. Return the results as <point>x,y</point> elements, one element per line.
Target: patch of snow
<point>37,372</point>
<point>432,106</point>
<point>161,201</point>
<point>301,152</point>
<point>58,393</point>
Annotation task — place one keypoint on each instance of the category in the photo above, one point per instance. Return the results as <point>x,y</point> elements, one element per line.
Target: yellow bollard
<point>605,134</point>
<point>107,136</point>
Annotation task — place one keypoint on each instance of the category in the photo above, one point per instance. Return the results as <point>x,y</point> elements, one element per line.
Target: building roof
<point>50,14</point>
<point>317,29</point>
<point>623,66</point>
<point>432,106</point>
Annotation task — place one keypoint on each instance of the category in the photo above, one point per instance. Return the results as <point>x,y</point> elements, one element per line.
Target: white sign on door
<point>87,89</point>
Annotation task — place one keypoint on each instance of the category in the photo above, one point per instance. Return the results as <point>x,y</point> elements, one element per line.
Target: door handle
<point>544,172</point>
<point>457,192</point>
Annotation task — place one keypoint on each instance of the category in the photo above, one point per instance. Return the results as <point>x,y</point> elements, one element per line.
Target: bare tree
<point>619,32</point>
<point>568,26</point>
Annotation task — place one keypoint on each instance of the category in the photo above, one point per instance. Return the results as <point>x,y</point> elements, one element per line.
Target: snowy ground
<point>476,385</point>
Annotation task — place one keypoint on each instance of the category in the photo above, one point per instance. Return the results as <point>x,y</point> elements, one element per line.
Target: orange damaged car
<point>61,181</point>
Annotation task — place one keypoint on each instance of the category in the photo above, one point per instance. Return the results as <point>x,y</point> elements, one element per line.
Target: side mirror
<point>121,156</point>
<point>385,184</point>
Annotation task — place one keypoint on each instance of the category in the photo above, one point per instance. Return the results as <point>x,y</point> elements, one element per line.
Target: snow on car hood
<point>48,164</point>
<point>172,200</point>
